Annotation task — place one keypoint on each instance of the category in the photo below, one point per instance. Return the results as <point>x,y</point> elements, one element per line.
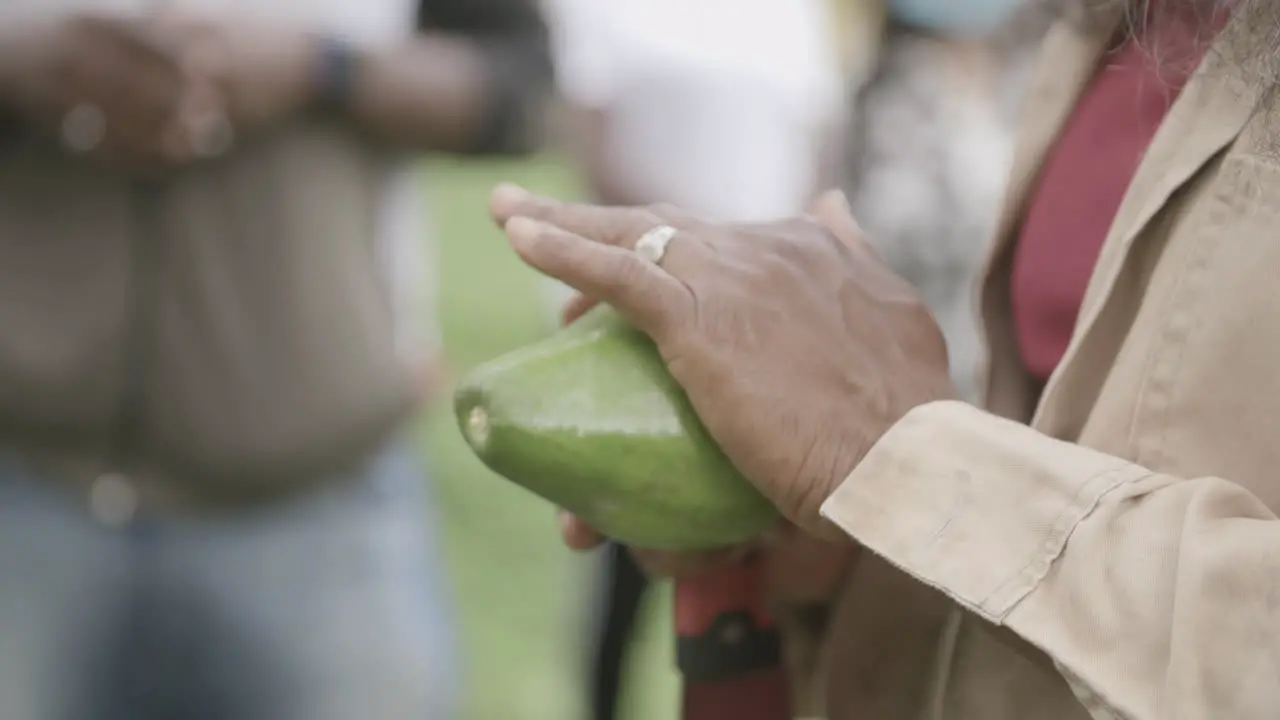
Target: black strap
<point>337,74</point>
<point>733,646</point>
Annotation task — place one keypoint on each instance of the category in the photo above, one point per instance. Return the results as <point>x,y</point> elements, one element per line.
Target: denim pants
<point>329,607</point>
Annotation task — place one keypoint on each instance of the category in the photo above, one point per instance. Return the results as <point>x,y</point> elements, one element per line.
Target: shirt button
<point>113,501</point>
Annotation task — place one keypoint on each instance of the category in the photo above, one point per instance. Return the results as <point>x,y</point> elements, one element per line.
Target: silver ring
<point>652,245</point>
<point>83,128</point>
<point>213,135</point>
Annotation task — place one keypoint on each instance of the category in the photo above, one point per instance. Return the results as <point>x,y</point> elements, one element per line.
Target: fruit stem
<point>478,427</point>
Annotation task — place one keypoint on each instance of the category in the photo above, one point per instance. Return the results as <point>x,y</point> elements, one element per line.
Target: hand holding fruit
<point>798,349</point>
<point>799,568</point>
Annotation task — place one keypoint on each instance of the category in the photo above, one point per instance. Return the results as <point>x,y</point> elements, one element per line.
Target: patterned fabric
<point>926,155</point>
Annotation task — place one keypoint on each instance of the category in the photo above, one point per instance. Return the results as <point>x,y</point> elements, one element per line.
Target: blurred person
<point>679,100</point>
<point>923,159</point>
<point>928,146</point>
<point>214,323</point>
<point>1100,539</point>
<point>722,106</point>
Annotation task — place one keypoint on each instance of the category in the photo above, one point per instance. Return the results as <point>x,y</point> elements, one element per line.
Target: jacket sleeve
<point>515,39</point>
<point>1155,596</point>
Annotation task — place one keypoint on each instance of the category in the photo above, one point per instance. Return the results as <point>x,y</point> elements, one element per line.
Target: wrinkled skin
<point>796,345</point>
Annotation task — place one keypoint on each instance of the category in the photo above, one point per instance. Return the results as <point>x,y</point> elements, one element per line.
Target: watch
<point>337,62</point>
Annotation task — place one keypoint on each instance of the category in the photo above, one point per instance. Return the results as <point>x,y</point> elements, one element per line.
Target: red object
<point>762,695</point>
<point>1085,177</point>
<point>728,648</point>
<point>700,600</point>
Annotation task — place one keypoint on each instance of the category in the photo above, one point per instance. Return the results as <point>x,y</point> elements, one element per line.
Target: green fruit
<point>591,420</point>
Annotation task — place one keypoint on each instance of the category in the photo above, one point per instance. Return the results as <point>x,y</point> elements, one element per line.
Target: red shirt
<point>1084,179</point>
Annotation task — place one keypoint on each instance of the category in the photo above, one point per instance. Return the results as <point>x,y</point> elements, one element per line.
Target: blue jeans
<point>330,607</point>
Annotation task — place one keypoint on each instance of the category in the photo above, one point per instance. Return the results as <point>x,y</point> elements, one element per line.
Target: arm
<point>587,142</point>
<point>1148,592</point>
<point>475,80</point>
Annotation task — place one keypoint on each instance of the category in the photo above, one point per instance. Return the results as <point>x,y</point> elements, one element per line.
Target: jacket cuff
<point>974,505</point>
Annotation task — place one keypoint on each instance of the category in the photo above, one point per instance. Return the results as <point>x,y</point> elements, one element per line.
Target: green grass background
<point>522,599</point>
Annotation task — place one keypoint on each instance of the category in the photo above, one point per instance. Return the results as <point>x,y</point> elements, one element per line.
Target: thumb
<point>577,534</point>
<point>831,209</point>
<point>576,308</point>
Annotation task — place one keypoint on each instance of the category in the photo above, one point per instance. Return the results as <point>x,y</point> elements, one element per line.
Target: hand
<point>799,568</point>
<point>136,105</point>
<point>797,347</point>
<point>266,74</point>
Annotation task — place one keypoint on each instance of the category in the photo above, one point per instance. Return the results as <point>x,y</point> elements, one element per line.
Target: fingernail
<point>565,521</point>
<point>837,197</point>
<point>507,193</point>
<point>522,229</point>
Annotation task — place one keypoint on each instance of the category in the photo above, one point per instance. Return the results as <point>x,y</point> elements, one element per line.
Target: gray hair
<point>1253,54</point>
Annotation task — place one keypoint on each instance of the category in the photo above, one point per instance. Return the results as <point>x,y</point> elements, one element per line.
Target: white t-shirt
<point>404,233</point>
<point>716,105</point>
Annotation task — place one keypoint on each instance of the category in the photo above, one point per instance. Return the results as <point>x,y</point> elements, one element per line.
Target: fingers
<point>609,225</point>
<point>140,86</point>
<point>831,210</point>
<point>650,298</point>
<point>577,534</point>
<point>576,308</point>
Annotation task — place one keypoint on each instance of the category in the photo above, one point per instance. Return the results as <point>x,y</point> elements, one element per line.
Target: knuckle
<point>542,248</point>
<point>669,214</point>
<point>663,210</point>
<point>627,269</point>
<point>638,221</point>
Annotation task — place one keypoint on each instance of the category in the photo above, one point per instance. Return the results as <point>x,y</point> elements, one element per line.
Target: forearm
<point>1071,549</point>
<point>586,132</point>
<point>451,93</point>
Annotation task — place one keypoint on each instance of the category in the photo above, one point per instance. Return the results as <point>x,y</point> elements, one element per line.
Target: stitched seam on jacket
<point>1000,602</point>
<point>1187,294</point>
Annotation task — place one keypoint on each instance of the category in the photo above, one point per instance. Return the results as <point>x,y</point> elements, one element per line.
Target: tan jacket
<point>1120,557</point>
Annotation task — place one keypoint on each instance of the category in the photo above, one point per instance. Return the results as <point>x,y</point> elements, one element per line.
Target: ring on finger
<point>83,128</point>
<point>212,135</point>
<point>652,245</point>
